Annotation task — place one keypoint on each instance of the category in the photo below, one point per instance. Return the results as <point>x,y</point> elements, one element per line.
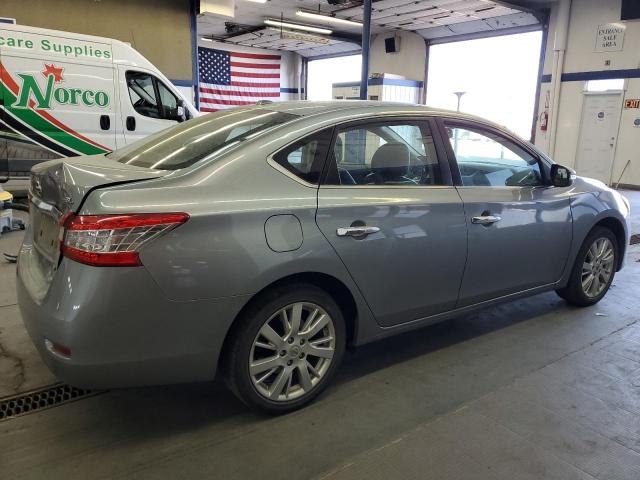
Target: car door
<point>388,208</point>
<point>519,226</point>
<point>147,105</point>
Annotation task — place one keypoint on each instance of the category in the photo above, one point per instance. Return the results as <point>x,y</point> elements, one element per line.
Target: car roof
<point>365,108</point>
<point>307,108</point>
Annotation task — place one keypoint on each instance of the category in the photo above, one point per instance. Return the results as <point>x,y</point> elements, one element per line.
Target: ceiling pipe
<point>559,47</point>
<point>366,42</point>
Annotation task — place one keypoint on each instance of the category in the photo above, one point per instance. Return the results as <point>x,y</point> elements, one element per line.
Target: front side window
<point>168,102</point>
<point>142,94</point>
<point>487,159</point>
<point>305,158</point>
<point>394,153</point>
<point>150,97</point>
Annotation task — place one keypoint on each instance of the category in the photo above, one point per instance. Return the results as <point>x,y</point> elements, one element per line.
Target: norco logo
<point>30,90</point>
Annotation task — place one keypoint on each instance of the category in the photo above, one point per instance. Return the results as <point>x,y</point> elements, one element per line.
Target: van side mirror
<point>180,112</point>
<point>562,176</point>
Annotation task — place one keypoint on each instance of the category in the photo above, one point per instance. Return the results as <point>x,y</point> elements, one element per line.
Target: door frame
<point>585,96</point>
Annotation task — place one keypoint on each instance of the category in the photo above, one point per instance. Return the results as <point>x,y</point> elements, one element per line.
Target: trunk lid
<point>57,188</point>
<point>64,183</point>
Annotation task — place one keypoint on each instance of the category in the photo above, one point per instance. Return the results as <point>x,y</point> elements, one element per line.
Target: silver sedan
<point>260,242</point>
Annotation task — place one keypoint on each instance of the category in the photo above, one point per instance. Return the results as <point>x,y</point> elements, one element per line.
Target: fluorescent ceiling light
<point>297,26</point>
<point>205,39</point>
<point>257,1</point>
<point>327,18</point>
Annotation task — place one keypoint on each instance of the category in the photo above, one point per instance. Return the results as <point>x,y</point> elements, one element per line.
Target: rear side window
<point>305,158</point>
<point>385,153</point>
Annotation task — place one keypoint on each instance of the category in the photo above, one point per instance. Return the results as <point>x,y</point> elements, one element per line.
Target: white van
<point>64,94</point>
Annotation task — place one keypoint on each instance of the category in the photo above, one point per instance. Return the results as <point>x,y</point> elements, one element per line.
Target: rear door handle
<point>485,219</point>
<point>356,231</point>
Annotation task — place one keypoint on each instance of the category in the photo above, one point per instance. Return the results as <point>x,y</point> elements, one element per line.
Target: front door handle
<point>362,231</point>
<point>131,123</point>
<point>105,122</point>
<point>485,219</point>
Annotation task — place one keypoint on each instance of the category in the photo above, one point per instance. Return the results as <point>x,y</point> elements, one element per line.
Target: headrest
<point>391,158</point>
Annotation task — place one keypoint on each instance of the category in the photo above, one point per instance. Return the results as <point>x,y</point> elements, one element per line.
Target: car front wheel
<point>285,348</point>
<point>593,270</point>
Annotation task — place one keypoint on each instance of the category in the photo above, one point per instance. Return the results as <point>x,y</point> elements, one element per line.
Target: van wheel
<point>593,270</point>
<point>285,348</point>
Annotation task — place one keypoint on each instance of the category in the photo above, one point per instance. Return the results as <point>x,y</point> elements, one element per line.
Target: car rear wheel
<point>593,270</point>
<point>285,348</point>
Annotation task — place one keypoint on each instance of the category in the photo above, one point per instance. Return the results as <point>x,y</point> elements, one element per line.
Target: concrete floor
<point>531,389</point>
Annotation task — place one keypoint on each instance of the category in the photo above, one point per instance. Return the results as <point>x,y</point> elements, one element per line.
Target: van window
<point>150,97</point>
<point>168,101</point>
<point>142,94</point>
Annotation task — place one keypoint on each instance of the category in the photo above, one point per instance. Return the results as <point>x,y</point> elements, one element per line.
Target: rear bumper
<point>121,329</point>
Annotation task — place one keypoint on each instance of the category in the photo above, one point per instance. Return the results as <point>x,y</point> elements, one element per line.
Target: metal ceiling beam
<point>541,12</point>
<point>485,34</point>
<point>517,5</point>
<point>366,42</point>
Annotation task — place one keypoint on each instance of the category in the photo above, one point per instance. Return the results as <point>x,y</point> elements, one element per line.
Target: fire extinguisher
<point>544,116</point>
<point>544,119</point>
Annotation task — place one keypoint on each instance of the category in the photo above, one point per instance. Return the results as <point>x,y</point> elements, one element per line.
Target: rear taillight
<point>114,240</point>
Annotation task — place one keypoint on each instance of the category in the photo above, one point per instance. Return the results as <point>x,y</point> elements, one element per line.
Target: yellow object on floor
<point>5,196</point>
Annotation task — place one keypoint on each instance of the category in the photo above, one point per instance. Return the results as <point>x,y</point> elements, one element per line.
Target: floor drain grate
<point>40,399</point>
<point>635,239</point>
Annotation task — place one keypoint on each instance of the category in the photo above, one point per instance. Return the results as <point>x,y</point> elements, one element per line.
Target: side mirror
<point>561,176</point>
<point>179,113</point>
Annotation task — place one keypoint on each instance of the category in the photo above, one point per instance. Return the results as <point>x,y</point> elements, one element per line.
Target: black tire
<point>573,292</point>
<point>239,347</point>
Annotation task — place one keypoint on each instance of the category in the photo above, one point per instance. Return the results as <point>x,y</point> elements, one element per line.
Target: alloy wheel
<point>597,267</point>
<point>292,351</point>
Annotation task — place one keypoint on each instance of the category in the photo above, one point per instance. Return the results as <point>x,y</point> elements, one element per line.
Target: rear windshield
<point>185,144</point>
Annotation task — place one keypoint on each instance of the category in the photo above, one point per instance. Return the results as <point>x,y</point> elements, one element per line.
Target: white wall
<point>290,66</point>
<point>580,56</point>
<point>409,61</point>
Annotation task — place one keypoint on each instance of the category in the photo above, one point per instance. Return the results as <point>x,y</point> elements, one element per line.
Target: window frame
<point>271,159</point>
<point>482,128</point>
<point>445,173</point>
<point>156,90</point>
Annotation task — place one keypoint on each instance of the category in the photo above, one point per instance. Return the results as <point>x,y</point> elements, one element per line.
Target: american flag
<point>229,79</point>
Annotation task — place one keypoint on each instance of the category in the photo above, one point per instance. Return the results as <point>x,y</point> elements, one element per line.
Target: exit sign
<point>632,103</point>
